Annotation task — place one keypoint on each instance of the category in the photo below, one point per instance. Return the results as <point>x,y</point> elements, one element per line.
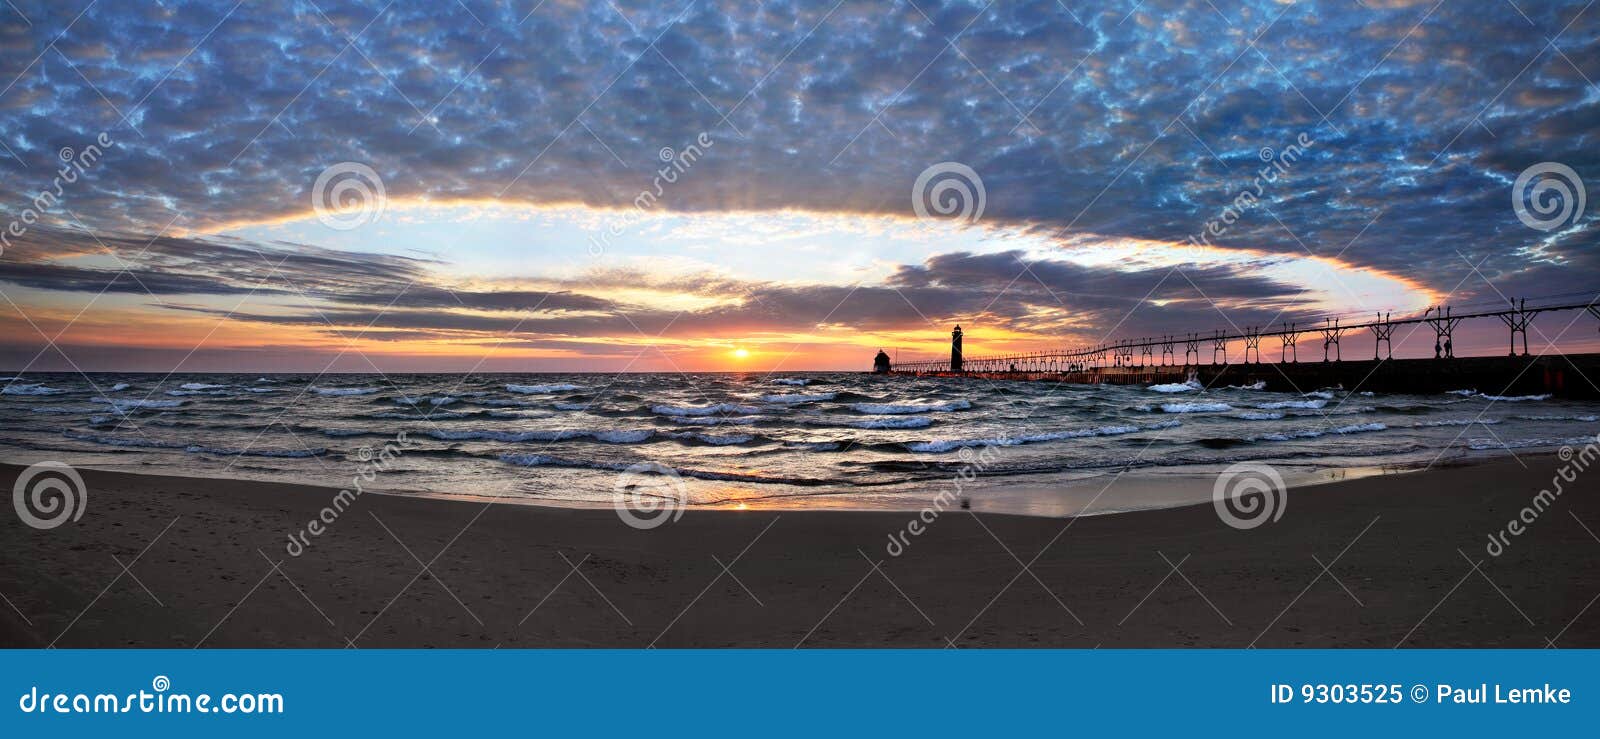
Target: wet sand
<point>207,567</point>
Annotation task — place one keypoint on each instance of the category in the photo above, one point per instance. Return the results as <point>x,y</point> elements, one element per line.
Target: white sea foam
<point>1257,385</point>
<point>894,409</point>
<point>1513,398</point>
<point>342,390</point>
<point>1195,407</point>
<point>200,386</point>
<point>1455,422</point>
<point>1581,419</point>
<point>1323,394</point>
<point>1176,387</point>
<point>123,405</point>
<point>893,422</point>
<point>704,410</point>
<point>1297,404</point>
<point>790,381</point>
<point>120,387</point>
<point>794,398</point>
<point>1462,393</point>
<point>1316,433</point>
<point>947,445</point>
<point>1258,416</point>
<point>540,389</point>
<point>716,420</point>
<point>30,389</point>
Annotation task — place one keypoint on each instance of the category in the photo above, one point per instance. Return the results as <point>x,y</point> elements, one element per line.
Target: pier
<point>1211,359</point>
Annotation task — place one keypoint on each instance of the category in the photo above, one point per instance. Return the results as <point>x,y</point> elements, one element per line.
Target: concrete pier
<point>1560,375</point>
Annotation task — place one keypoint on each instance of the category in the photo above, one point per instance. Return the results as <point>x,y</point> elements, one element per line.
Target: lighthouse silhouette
<point>955,349</point>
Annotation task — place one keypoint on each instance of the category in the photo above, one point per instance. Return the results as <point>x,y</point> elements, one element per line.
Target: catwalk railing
<point>1162,351</point>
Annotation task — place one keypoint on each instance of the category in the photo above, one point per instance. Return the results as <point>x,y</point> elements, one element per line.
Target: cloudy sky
<point>554,185</point>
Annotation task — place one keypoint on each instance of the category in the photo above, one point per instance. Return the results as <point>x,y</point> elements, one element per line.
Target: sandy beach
<point>1405,554</point>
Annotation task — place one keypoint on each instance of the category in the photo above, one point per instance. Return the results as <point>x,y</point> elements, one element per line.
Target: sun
<point>741,353</point>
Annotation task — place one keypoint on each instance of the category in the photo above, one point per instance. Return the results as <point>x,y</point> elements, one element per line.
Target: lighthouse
<point>955,350</point>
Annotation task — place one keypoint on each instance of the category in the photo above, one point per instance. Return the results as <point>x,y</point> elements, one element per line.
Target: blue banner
<point>795,693</point>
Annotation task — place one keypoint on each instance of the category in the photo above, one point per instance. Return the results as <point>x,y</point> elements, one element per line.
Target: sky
<point>654,186</point>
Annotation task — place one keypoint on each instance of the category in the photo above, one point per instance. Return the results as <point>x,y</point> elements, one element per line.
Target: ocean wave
<point>813,446</point>
<point>540,389</point>
<point>704,410</point>
<point>717,420</point>
<point>1581,419</point>
<point>441,400</point>
<point>1455,422</point>
<point>147,443</point>
<point>1462,393</point>
<point>1257,416</point>
<point>895,409</point>
<point>713,439</point>
<point>337,391</point>
<point>30,389</point>
<point>793,398</point>
<point>545,460</point>
<point>947,445</point>
<point>797,381</point>
<point>124,405</point>
<point>1317,433</point>
<point>572,406</point>
<point>893,422</point>
<point>431,414</point>
<point>1177,387</point>
<point>1323,394</point>
<point>1257,385</point>
<point>1195,407</point>
<point>621,436</point>
<point>1485,444</point>
<point>344,432</point>
<point>1295,404</point>
<point>1513,398</point>
<point>200,386</point>
<point>119,387</point>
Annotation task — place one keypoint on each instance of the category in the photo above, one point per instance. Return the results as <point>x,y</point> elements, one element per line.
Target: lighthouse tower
<point>955,350</point>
